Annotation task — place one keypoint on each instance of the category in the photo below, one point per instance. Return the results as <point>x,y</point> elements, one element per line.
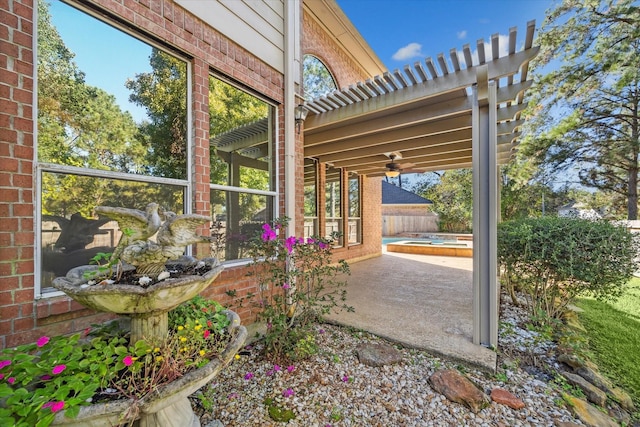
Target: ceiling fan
<point>393,168</point>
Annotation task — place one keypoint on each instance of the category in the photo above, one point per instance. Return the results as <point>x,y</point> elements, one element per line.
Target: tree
<point>586,111</point>
<point>78,125</point>
<point>317,79</point>
<point>163,92</point>
<point>452,197</point>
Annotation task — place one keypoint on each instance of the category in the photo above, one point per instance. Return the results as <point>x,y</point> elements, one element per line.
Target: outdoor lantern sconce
<point>300,115</point>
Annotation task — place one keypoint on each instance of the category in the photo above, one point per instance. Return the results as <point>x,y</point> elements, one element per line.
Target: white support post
<point>485,212</point>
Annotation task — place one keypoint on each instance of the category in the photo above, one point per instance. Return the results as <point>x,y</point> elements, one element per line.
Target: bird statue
<point>134,224</point>
<point>176,233</point>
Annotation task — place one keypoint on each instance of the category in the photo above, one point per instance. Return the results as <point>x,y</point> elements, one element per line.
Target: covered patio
<point>418,301</point>
<point>463,111</point>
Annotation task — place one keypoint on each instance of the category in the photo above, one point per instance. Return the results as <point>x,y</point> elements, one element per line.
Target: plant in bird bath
<point>148,303</point>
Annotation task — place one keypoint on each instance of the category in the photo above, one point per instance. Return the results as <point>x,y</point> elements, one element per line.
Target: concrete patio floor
<point>420,301</point>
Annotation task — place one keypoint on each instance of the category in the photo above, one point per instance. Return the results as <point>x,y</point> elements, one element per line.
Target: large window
<point>333,204</point>
<point>355,221</point>
<point>112,130</point>
<point>310,198</point>
<point>242,167</point>
<point>317,79</point>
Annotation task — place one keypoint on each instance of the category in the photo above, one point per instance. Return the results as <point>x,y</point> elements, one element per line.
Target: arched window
<point>316,78</point>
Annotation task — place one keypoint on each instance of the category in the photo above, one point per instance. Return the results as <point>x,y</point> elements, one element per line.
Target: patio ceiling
<point>422,113</point>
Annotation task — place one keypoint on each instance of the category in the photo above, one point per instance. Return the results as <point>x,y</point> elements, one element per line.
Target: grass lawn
<point>614,337</point>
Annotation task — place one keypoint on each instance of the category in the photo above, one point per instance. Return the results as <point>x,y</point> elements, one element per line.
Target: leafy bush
<point>67,372</point>
<point>298,283</point>
<point>553,260</point>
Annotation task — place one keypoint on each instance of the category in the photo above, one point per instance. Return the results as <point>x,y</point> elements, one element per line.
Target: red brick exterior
<point>24,319</point>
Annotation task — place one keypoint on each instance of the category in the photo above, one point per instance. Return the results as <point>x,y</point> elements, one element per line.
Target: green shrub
<point>553,260</point>
<point>298,283</point>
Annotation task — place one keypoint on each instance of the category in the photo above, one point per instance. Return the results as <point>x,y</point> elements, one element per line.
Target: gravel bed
<point>334,389</point>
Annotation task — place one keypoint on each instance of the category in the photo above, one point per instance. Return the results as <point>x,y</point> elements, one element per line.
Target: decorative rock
<point>503,397</point>
<point>593,393</point>
<point>571,360</point>
<point>374,354</point>
<point>588,414</point>
<point>567,424</point>
<point>619,414</point>
<point>595,378</point>
<point>457,388</point>
<point>623,399</point>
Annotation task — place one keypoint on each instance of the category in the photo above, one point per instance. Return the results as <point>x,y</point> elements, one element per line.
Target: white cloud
<point>409,51</point>
<point>462,34</point>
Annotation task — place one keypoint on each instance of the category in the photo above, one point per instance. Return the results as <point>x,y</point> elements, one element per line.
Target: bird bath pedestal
<point>148,307</point>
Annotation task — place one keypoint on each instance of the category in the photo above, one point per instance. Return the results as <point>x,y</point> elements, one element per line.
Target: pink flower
<point>310,241</point>
<point>55,406</point>
<point>277,368</point>
<point>345,378</point>
<point>4,363</point>
<point>291,368</point>
<point>42,341</point>
<point>323,245</point>
<point>232,396</point>
<point>248,376</point>
<point>270,372</point>
<point>58,368</point>
<point>11,380</point>
<point>45,377</point>
<point>128,360</point>
<point>1,376</point>
<point>286,286</point>
<point>287,393</point>
<point>290,243</point>
<point>268,233</point>
<point>206,334</point>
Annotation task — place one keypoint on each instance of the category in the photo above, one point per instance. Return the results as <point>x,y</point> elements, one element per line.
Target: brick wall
<point>17,315</point>
<point>23,319</point>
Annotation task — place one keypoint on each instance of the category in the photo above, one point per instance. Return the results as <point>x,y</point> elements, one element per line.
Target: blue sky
<point>403,31</point>
<point>399,31</point>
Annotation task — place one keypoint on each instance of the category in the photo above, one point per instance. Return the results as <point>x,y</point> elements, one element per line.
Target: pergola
<point>450,113</point>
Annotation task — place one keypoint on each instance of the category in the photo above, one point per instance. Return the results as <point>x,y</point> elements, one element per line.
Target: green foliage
<point>317,79</point>
<point>613,334</point>
<point>163,92</point>
<point>204,311</point>
<point>452,197</point>
<point>66,372</point>
<point>298,284</point>
<point>278,413</point>
<point>60,371</point>
<point>553,260</point>
<point>585,111</point>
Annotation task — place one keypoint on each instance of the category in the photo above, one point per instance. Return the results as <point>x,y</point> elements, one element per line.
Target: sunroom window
<point>333,204</point>
<point>242,167</point>
<point>112,130</point>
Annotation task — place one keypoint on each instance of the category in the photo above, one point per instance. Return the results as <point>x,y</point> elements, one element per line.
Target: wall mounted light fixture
<point>300,115</point>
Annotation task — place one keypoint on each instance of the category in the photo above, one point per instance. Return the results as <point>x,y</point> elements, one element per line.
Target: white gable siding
<point>256,25</point>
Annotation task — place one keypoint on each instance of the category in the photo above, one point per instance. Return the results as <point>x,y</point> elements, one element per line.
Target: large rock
<point>605,385</point>
<point>457,388</point>
<point>588,413</point>
<point>373,354</point>
<point>593,393</point>
<point>595,378</point>
<point>504,397</point>
<point>623,399</point>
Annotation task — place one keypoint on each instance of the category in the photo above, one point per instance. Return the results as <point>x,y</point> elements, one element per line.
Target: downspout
<point>291,58</point>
